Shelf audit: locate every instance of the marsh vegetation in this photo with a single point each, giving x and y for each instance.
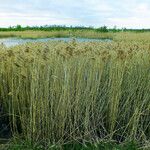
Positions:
(57, 92)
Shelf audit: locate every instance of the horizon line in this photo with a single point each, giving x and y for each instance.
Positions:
(72, 26)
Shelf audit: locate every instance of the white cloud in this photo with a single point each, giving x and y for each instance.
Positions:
(130, 22)
(33, 20)
(130, 14)
(142, 9)
(99, 6)
(125, 13)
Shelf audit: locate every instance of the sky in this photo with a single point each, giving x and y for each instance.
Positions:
(96, 13)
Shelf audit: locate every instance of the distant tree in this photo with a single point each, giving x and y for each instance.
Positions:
(114, 29)
(10, 27)
(27, 27)
(102, 29)
(124, 29)
(18, 27)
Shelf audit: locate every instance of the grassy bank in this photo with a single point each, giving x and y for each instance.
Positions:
(61, 33)
(118, 37)
(58, 92)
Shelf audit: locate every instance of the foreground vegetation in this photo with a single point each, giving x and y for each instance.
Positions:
(58, 93)
(103, 145)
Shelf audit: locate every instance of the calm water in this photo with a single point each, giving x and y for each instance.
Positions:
(16, 41)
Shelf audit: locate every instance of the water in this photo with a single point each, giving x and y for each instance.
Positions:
(16, 41)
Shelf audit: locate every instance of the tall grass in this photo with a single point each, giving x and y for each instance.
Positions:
(61, 33)
(59, 92)
(131, 36)
(118, 37)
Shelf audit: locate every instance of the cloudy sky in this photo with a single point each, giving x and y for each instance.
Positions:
(122, 13)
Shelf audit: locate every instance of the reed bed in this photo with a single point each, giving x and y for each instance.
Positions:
(118, 36)
(61, 33)
(59, 92)
(132, 36)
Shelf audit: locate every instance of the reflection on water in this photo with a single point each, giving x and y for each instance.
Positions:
(16, 41)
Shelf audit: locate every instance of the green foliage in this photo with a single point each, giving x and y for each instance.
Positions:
(102, 29)
(69, 28)
(18, 27)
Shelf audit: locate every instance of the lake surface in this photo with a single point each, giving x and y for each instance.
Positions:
(16, 41)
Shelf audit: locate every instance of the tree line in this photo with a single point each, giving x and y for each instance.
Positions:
(73, 28)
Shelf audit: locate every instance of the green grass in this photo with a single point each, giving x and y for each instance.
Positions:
(61, 33)
(118, 37)
(55, 93)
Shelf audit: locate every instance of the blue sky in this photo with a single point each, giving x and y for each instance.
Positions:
(122, 13)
